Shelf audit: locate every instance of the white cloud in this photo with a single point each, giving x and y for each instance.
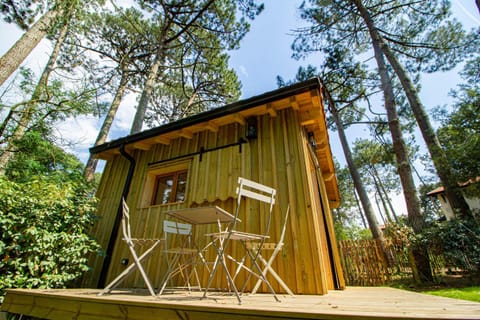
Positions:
(243, 71)
(77, 135)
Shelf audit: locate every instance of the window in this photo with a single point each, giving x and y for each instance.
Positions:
(170, 188)
(166, 183)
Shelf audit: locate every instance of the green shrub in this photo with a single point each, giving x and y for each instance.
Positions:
(458, 241)
(43, 233)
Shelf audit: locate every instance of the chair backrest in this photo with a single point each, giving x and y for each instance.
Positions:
(180, 234)
(254, 190)
(177, 227)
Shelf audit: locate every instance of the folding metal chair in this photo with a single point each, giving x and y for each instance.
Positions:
(254, 191)
(267, 265)
(137, 260)
(181, 254)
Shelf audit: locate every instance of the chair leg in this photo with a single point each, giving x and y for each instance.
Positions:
(221, 260)
(240, 265)
(197, 277)
(268, 268)
(171, 271)
(192, 274)
(212, 273)
(136, 264)
(142, 271)
(180, 267)
(260, 272)
(113, 284)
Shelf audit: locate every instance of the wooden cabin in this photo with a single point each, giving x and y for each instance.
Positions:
(467, 189)
(278, 139)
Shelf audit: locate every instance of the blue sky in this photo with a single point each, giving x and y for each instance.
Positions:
(265, 50)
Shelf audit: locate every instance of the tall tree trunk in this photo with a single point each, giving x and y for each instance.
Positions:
(146, 93)
(385, 193)
(379, 208)
(381, 195)
(159, 57)
(360, 211)
(415, 217)
(12, 59)
(27, 113)
(439, 158)
(9, 117)
(357, 181)
(91, 165)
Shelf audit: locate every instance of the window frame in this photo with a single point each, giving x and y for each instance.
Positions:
(174, 189)
(150, 186)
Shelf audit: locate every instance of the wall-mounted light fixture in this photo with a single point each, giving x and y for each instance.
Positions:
(251, 129)
(311, 140)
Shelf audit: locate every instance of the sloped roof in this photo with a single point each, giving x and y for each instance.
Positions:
(441, 189)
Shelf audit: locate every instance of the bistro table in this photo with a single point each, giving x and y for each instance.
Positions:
(204, 215)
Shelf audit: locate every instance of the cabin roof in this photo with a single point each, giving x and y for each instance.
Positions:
(304, 96)
(441, 189)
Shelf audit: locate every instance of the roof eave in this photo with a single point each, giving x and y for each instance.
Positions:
(211, 114)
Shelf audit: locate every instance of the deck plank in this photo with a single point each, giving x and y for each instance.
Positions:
(352, 303)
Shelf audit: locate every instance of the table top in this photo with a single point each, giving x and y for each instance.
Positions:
(203, 215)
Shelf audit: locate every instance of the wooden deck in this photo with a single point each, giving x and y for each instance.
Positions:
(353, 303)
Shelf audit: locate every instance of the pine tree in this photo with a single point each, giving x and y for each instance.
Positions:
(181, 24)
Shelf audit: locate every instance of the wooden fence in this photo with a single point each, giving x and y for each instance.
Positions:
(364, 263)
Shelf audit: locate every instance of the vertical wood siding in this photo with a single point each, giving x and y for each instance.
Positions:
(278, 158)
